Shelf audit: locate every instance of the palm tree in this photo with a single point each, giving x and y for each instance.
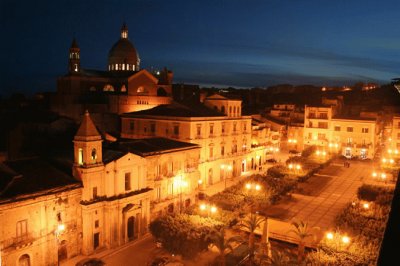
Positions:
(217, 239)
(302, 232)
(251, 224)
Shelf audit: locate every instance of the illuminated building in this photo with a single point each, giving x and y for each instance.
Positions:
(123, 87)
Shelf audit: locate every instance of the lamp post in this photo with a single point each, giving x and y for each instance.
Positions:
(58, 232)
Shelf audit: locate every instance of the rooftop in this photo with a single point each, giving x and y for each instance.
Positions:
(144, 147)
(24, 177)
(177, 110)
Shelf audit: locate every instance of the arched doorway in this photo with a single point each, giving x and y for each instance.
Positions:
(210, 176)
(130, 226)
(24, 260)
(62, 251)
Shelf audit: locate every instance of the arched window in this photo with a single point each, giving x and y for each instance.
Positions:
(94, 154)
(230, 110)
(24, 260)
(108, 87)
(116, 66)
(123, 66)
(223, 109)
(123, 88)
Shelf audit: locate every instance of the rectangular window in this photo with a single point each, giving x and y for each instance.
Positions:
(223, 129)
(198, 130)
(349, 129)
(22, 228)
(96, 224)
(95, 192)
(349, 140)
(364, 130)
(222, 150)
(321, 136)
(322, 124)
(127, 181)
(211, 129)
(337, 128)
(211, 152)
(176, 130)
(311, 115)
(323, 115)
(153, 128)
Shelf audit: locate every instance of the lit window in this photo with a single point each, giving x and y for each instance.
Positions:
(116, 66)
(123, 66)
(80, 156)
(349, 129)
(127, 67)
(365, 130)
(76, 68)
(337, 128)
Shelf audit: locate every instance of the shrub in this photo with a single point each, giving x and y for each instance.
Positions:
(183, 234)
(307, 152)
(382, 195)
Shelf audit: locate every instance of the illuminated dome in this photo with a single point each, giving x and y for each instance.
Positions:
(123, 55)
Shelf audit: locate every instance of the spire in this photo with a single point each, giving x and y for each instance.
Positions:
(74, 44)
(124, 31)
(87, 130)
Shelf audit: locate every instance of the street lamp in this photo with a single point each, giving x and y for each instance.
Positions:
(210, 209)
(60, 229)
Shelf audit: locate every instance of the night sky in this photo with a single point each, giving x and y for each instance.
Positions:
(217, 42)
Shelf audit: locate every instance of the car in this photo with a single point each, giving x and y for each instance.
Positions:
(91, 262)
(272, 160)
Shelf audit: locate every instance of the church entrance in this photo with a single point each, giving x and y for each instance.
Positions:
(131, 228)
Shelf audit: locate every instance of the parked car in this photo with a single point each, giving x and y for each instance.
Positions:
(91, 262)
(272, 160)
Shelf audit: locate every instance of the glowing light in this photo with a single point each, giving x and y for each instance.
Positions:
(345, 239)
(298, 167)
(200, 181)
(366, 205)
(258, 187)
(213, 209)
(374, 174)
(336, 145)
(290, 166)
(248, 186)
(389, 151)
(391, 161)
(317, 152)
(384, 160)
(230, 168)
(60, 228)
(323, 153)
(203, 207)
(329, 235)
(383, 175)
(276, 149)
(222, 166)
(257, 157)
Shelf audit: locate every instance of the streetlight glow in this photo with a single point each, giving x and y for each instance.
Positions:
(329, 235)
(258, 187)
(345, 239)
(60, 228)
(213, 209)
(203, 207)
(366, 205)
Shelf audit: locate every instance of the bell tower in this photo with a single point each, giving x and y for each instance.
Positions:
(87, 144)
(74, 64)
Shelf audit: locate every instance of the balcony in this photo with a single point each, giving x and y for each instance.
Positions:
(20, 241)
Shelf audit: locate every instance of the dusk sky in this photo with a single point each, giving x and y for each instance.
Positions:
(219, 42)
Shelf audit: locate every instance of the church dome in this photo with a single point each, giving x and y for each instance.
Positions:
(123, 55)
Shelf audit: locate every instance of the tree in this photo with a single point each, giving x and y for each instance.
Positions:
(217, 239)
(250, 224)
(302, 232)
